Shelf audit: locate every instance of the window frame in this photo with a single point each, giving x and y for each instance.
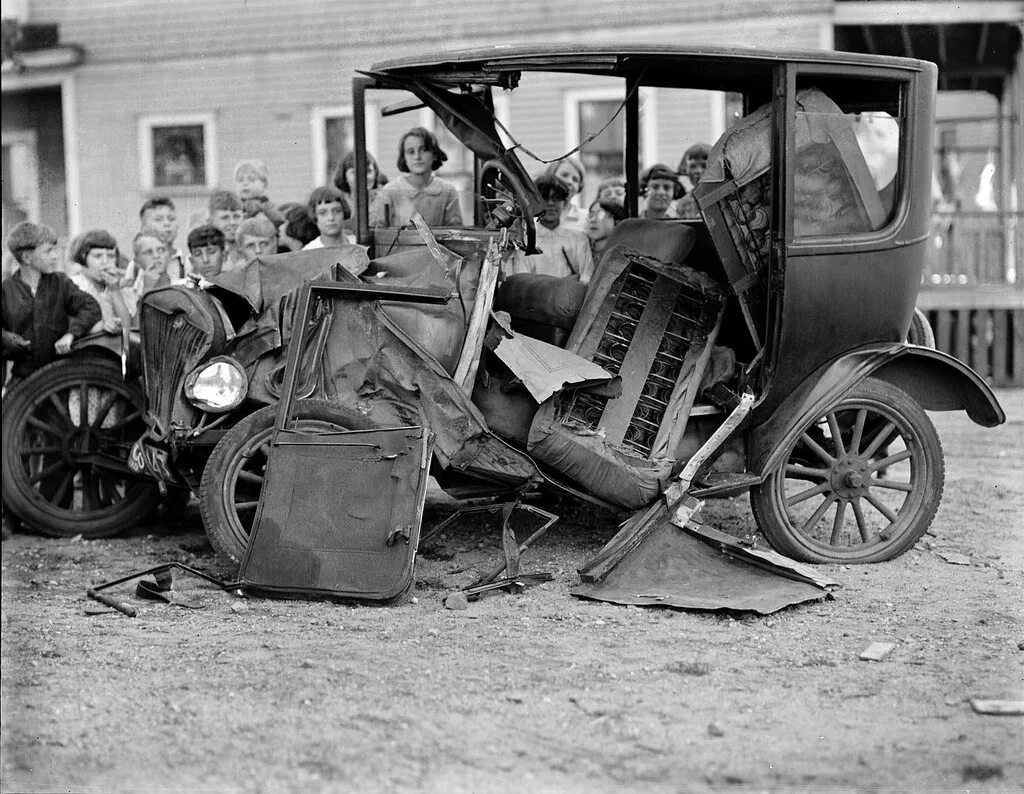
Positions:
(877, 239)
(572, 97)
(318, 134)
(147, 161)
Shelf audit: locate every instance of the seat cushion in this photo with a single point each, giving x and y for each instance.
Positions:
(541, 300)
(664, 240)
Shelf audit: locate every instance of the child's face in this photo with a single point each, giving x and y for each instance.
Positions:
(554, 206)
(350, 176)
(570, 176)
(613, 193)
(417, 156)
(42, 258)
(151, 254)
(660, 193)
(599, 223)
(252, 245)
(250, 186)
(207, 260)
(101, 266)
(330, 219)
(227, 221)
(162, 222)
(695, 165)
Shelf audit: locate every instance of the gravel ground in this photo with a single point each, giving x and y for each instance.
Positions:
(537, 689)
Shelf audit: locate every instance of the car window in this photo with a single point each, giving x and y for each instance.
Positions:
(846, 157)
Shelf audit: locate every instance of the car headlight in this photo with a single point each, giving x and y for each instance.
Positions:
(217, 386)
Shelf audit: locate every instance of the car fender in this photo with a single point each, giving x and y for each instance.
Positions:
(123, 346)
(938, 381)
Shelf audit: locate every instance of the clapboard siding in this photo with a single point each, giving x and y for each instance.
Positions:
(131, 30)
(262, 68)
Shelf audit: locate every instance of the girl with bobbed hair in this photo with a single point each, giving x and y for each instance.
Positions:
(416, 189)
(345, 179)
(97, 274)
(571, 172)
(85, 242)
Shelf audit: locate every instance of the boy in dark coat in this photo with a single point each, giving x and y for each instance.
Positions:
(43, 311)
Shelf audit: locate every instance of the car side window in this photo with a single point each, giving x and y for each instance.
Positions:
(846, 156)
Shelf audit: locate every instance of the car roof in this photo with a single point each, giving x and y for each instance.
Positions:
(622, 59)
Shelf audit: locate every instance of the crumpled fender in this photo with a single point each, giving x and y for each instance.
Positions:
(935, 379)
(123, 347)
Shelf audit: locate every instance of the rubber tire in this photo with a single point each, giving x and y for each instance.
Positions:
(921, 332)
(227, 533)
(913, 519)
(24, 500)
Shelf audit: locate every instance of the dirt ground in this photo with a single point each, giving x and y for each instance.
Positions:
(538, 689)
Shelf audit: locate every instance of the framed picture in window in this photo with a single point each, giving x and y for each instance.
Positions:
(177, 153)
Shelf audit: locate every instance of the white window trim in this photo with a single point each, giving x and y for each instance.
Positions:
(317, 121)
(69, 114)
(648, 123)
(146, 125)
(503, 112)
(717, 115)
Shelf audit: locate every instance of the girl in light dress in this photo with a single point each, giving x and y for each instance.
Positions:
(416, 189)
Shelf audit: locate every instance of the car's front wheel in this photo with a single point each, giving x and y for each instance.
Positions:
(233, 478)
(67, 433)
(860, 484)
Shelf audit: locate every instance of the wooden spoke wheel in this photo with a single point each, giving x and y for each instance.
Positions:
(860, 484)
(233, 478)
(67, 433)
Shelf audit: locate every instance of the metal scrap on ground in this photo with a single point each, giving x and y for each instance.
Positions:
(877, 651)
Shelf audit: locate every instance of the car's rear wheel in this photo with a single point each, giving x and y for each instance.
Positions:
(233, 478)
(920, 332)
(67, 433)
(860, 484)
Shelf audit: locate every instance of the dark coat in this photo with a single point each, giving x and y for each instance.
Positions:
(57, 308)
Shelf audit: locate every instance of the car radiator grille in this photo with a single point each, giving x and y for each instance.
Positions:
(171, 348)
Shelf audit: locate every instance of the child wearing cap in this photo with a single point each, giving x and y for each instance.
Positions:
(43, 311)
(564, 252)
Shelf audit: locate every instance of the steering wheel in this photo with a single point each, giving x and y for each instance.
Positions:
(507, 204)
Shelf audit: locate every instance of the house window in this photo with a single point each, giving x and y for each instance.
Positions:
(587, 112)
(334, 136)
(177, 152)
(603, 155)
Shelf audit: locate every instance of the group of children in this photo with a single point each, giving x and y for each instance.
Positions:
(572, 242)
(44, 309)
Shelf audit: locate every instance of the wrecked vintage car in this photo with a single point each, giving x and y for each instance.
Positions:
(759, 348)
